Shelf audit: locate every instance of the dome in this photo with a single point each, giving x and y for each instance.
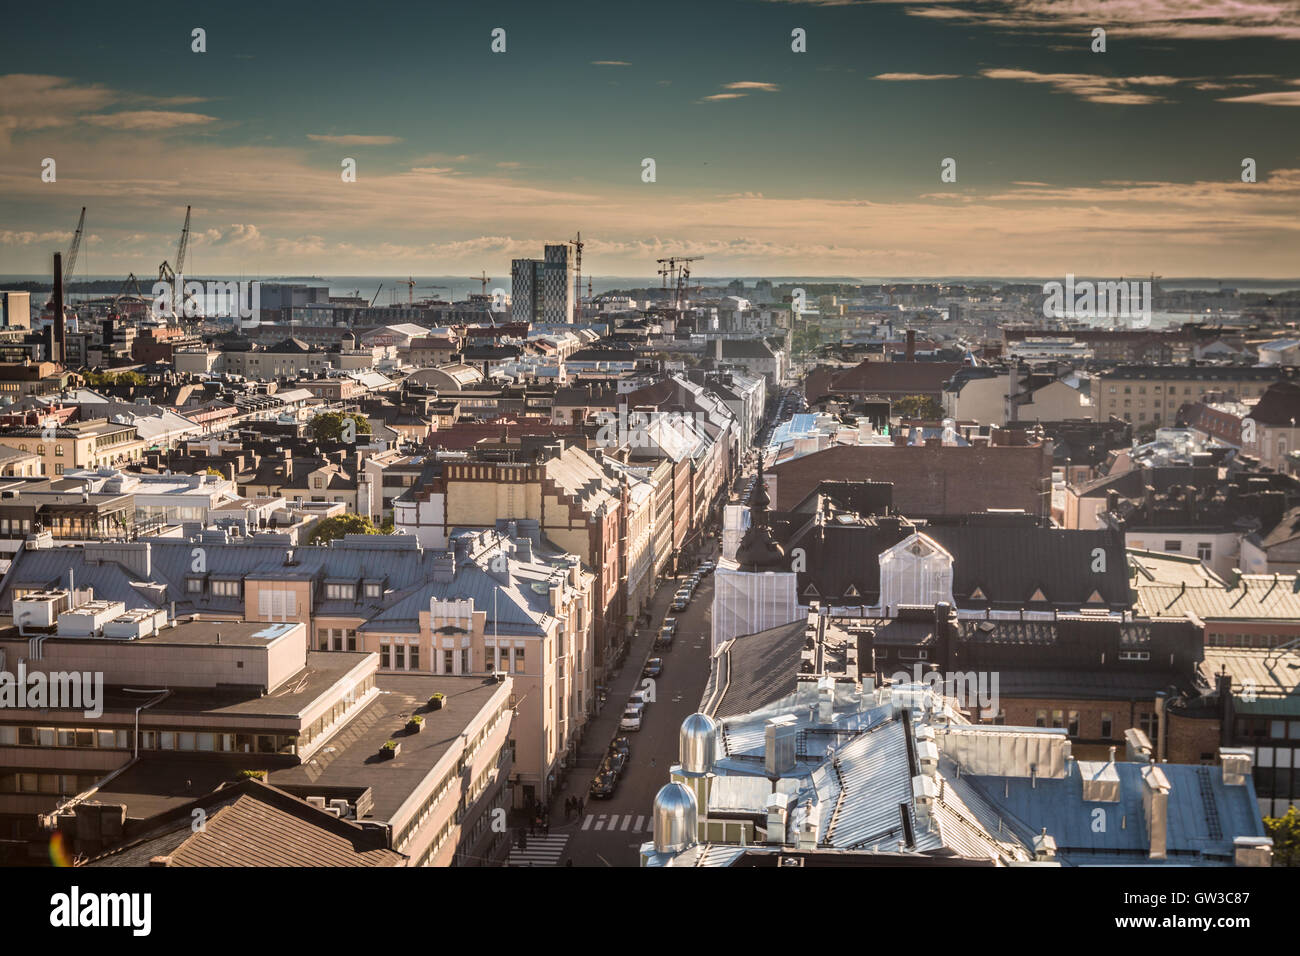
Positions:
(697, 744)
(674, 818)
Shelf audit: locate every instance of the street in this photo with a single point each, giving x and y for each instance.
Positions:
(610, 832)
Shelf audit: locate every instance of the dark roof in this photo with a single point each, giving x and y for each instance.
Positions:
(251, 824)
(755, 670)
(1279, 405)
(1207, 373)
(1005, 564)
(352, 755)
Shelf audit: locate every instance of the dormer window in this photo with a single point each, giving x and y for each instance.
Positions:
(227, 589)
(341, 592)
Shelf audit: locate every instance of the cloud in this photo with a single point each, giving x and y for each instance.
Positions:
(752, 85)
(722, 96)
(610, 63)
(1116, 90)
(152, 120)
(353, 139)
(905, 77)
(1157, 19)
(1278, 98)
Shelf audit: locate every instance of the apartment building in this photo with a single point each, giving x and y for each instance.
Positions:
(67, 447)
(498, 601)
(1152, 394)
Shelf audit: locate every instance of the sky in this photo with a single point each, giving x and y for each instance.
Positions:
(767, 161)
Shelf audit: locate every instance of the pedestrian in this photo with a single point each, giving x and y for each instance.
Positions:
(523, 840)
(546, 826)
(582, 805)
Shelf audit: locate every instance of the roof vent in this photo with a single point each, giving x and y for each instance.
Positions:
(697, 744)
(675, 815)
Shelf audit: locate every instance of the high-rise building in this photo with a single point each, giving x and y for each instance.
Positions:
(541, 290)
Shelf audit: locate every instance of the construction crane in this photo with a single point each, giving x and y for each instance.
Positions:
(167, 274)
(73, 248)
(482, 277)
(678, 269)
(577, 276)
(376, 296)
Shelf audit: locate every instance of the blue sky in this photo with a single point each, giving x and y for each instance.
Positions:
(767, 161)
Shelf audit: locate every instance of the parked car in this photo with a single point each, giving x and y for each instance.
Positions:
(603, 787)
(639, 696)
(653, 667)
(621, 745)
(680, 602)
(631, 719)
(671, 624)
(614, 763)
(665, 639)
(707, 567)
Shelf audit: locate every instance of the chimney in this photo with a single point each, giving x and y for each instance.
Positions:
(778, 754)
(1155, 807)
(57, 353)
(910, 354)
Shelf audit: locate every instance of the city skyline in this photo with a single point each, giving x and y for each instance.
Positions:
(767, 161)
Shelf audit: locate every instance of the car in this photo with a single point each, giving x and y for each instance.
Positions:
(603, 787)
(653, 667)
(631, 719)
(614, 762)
(707, 567)
(640, 696)
(671, 624)
(665, 639)
(680, 603)
(621, 745)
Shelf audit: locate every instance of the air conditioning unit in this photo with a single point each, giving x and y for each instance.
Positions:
(317, 802)
(343, 808)
(333, 811)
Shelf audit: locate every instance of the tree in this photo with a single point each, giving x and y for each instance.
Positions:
(918, 406)
(329, 426)
(332, 528)
(1285, 831)
(113, 378)
(213, 472)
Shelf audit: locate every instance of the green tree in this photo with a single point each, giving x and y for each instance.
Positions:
(113, 378)
(918, 406)
(329, 529)
(1285, 831)
(329, 425)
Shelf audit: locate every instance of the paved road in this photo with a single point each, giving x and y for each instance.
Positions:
(610, 832)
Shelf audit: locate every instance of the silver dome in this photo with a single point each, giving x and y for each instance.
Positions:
(675, 818)
(697, 744)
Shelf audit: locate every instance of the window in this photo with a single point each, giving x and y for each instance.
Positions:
(58, 451)
(341, 592)
(1107, 725)
(384, 652)
(225, 588)
(414, 653)
(373, 590)
(399, 656)
(1173, 545)
(464, 660)
(448, 664)
(1058, 718)
(519, 660)
(1204, 550)
(1147, 724)
(1041, 719)
(1073, 726)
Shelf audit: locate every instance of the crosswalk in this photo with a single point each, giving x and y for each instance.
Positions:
(629, 822)
(541, 851)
